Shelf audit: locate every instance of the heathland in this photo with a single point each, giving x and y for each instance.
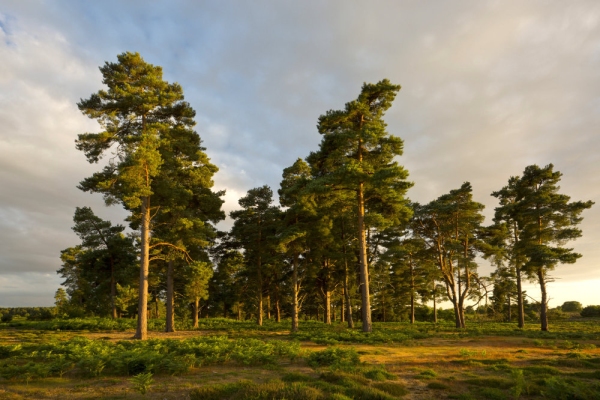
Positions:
(227, 359)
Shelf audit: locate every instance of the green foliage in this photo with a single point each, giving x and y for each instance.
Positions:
(142, 382)
(591, 311)
(334, 357)
(519, 383)
(571, 306)
(557, 388)
(378, 374)
(427, 374)
(94, 358)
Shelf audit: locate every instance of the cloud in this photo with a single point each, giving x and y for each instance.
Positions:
(487, 89)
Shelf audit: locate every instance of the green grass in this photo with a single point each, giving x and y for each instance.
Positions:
(239, 360)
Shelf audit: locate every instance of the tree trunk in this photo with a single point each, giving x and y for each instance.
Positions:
(457, 315)
(412, 308)
(509, 310)
(520, 305)
(544, 304)
(343, 309)
(348, 310)
(259, 319)
(142, 321)
(269, 306)
(113, 288)
(327, 312)
(277, 311)
(364, 267)
(295, 294)
(412, 290)
(195, 313)
(170, 323)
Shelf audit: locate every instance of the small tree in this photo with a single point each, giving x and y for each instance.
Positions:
(61, 302)
(198, 275)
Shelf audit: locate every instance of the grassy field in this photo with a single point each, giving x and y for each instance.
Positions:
(225, 359)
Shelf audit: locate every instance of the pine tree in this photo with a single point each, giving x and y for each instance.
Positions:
(254, 230)
(547, 221)
(506, 235)
(450, 226)
(357, 155)
(148, 126)
(298, 218)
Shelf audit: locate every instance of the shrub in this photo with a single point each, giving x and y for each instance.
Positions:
(142, 382)
(427, 374)
(571, 306)
(334, 357)
(378, 374)
(591, 311)
(566, 389)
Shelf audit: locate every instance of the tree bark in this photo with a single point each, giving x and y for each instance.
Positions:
(170, 323)
(347, 302)
(544, 304)
(327, 312)
(295, 294)
(364, 268)
(142, 321)
(362, 241)
(412, 290)
(113, 288)
(520, 305)
(195, 312)
(412, 308)
(343, 308)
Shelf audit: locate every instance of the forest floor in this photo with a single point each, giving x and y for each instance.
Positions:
(442, 364)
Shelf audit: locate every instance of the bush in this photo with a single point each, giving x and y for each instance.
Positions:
(591, 311)
(571, 306)
(334, 357)
(566, 389)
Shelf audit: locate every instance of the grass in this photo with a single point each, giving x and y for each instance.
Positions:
(228, 359)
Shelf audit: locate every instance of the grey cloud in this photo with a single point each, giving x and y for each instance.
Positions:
(488, 88)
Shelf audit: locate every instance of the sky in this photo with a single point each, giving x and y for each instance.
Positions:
(488, 88)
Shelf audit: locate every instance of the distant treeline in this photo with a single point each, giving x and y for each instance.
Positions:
(31, 313)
